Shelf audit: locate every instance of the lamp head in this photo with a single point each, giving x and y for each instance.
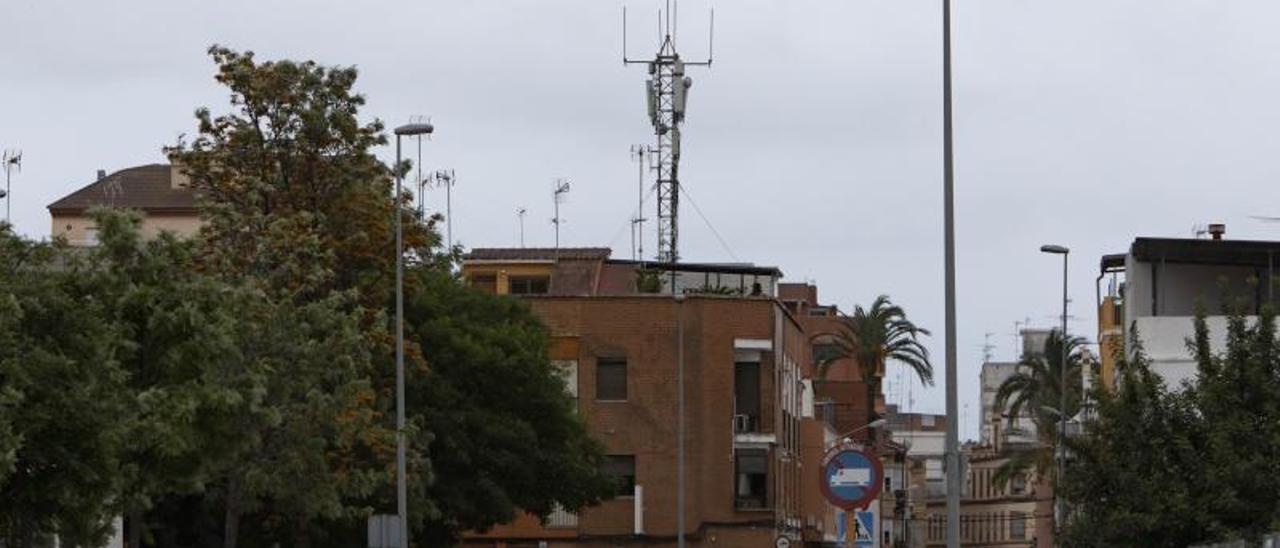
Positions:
(415, 129)
(1055, 249)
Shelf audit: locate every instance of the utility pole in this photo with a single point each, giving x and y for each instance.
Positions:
(948, 199)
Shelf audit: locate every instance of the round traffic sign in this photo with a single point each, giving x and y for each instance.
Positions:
(851, 478)
(782, 542)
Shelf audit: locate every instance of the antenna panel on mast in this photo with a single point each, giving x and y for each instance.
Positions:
(666, 102)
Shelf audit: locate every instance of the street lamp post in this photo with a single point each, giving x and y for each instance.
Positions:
(952, 452)
(679, 298)
(402, 498)
(1058, 512)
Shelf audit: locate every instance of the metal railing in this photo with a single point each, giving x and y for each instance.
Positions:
(561, 518)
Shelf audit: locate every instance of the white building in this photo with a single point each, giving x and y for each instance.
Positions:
(993, 375)
(1161, 282)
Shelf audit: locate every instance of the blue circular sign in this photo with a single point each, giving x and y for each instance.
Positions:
(851, 478)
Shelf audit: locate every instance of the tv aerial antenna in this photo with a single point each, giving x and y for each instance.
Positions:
(640, 154)
(561, 188)
(520, 213)
(667, 93)
(445, 178)
(12, 162)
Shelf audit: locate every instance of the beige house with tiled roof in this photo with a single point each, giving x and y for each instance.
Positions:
(160, 192)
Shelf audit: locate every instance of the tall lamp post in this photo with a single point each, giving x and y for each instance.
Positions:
(1058, 513)
(402, 498)
(679, 298)
(952, 452)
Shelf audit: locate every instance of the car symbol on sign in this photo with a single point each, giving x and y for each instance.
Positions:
(851, 477)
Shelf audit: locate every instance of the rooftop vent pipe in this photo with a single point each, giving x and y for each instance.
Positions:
(1216, 230)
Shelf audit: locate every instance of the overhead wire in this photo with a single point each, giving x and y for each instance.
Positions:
(706, 221)
(635, 213)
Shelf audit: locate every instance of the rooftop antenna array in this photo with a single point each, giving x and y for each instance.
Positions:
(666, 93)
(640, 154)
(1018, 326)
(112, 189)
(561, 188)
(422, 181)
(520, 213)
(445, 178)
(12, 162)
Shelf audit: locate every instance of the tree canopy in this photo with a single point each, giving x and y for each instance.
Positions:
(1161, 467)
(236, 388)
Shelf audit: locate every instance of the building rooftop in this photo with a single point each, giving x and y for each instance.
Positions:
(148, 188)
(500, 254)
(538, 254)
(1218, 252)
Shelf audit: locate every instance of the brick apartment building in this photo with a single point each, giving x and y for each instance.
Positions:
(752, 440)
(758, 419)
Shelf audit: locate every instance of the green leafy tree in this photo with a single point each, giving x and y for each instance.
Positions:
(63, 402)
(297, 205)
(875, 336)
(1136, 476)
(1237, 395)
(1161, 468)
(506, 434)
(1035, 389)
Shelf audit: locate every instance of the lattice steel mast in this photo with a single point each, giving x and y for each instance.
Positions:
(666, 92)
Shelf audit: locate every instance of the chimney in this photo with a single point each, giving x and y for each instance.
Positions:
(1216, 230)
(102, 174)
(178, 177)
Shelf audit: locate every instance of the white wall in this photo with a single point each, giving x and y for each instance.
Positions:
(1164, 340)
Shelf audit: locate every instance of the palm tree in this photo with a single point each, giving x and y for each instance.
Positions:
(1034, 390)
(875, 336)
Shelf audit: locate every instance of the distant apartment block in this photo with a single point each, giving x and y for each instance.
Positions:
(1015, 515)
(995, 422)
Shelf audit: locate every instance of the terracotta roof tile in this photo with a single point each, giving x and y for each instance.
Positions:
(147, 188)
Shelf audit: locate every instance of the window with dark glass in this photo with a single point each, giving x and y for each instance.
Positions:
(529, 285)
(751, 488)
(746, 396)
(611, 379)
(622, 470)
(1017, 525)
(825, 351)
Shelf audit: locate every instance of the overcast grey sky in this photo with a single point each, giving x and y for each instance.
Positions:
(813, 143)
